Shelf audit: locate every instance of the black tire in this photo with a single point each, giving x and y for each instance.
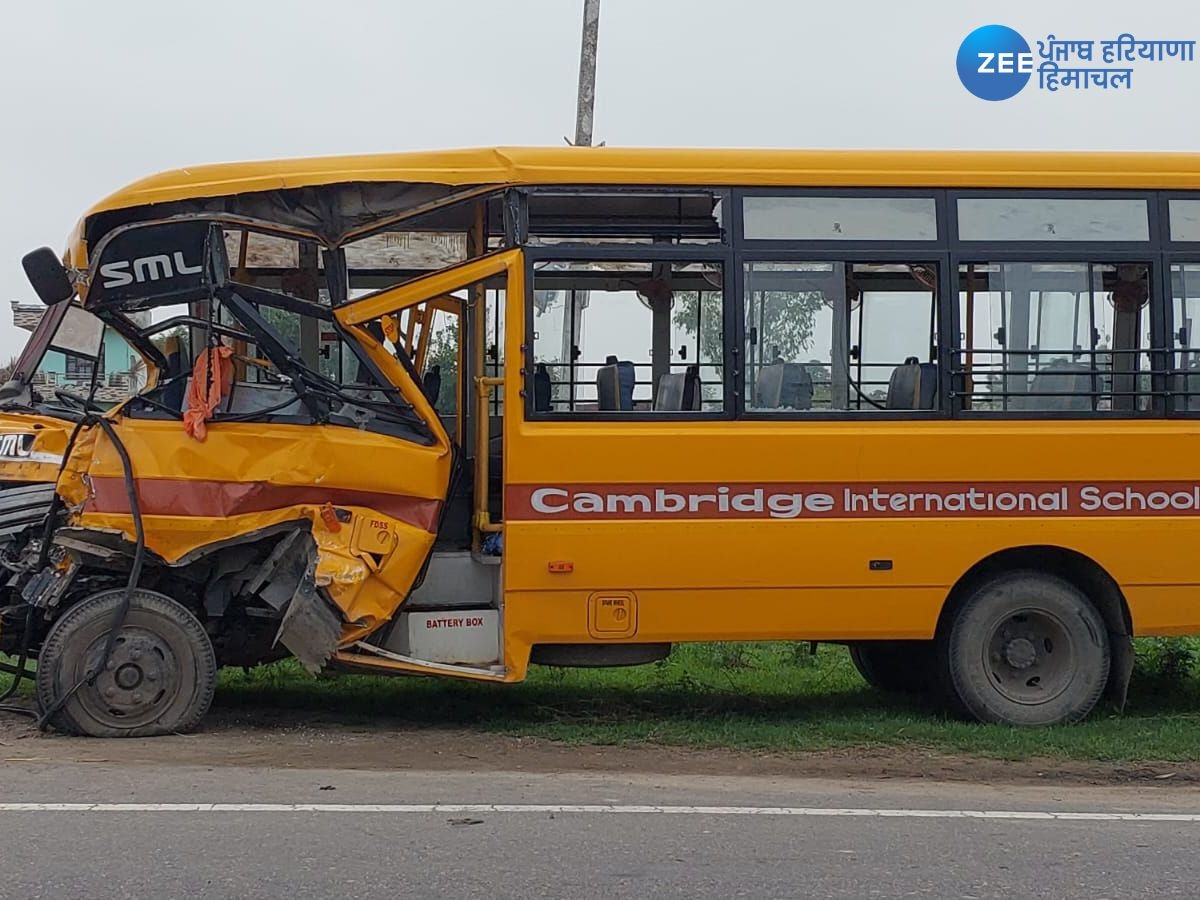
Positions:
(159, 680)
(1027, 649)
(898, 667)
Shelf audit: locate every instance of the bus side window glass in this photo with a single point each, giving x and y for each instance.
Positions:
(1055, 337)
(833, 336)
(627, 337)
(1185, 297)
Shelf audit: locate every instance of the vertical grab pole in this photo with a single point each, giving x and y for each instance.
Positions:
(474, 319)
(483, 517)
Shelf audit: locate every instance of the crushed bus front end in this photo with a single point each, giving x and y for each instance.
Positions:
(248, 504)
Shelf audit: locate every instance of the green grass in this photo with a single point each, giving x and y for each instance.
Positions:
(750, 696)
(771, 697)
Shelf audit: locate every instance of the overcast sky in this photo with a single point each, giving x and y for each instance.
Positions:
(96, 94)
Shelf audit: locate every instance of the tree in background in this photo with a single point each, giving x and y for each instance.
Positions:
(785, 321)
(443, 352)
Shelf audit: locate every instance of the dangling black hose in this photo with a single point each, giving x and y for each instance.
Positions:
(135, 573)
(135, 570)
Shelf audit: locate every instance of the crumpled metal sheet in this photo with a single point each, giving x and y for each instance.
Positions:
(310, 628)
(369, 501)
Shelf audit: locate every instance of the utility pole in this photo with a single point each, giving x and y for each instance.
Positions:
(587, 73)
(577, 301)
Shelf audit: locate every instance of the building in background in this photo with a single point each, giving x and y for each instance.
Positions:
(120, 367)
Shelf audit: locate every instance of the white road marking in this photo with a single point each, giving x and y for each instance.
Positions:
(599, 808)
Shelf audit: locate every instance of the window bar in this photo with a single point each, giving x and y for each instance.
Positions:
(1094, 335)
(969, 340)
(858, 361)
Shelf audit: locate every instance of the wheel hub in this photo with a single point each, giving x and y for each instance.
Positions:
(1020, 653)
(138, 678)
(128, 676)
(1030, 656)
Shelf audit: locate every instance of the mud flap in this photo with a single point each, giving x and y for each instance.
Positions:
(1120, 670)
(310, 627)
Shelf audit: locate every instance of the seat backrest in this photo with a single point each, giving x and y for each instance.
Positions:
(541, 388)
(1060, 386)
(913, 386)
(174, 393)
(614, 385)
(431, 385)
(784, 386)
(679, 391)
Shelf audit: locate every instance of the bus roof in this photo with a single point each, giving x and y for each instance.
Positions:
(613, 165)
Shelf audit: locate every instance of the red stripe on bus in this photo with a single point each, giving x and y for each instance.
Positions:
(859, 500)
(218, 499)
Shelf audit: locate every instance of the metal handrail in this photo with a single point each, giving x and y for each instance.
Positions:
(483, 390)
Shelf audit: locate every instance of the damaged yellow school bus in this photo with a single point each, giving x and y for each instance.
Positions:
(454, 413)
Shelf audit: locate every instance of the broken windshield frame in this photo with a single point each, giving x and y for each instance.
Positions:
(64, 328)
(324, 399)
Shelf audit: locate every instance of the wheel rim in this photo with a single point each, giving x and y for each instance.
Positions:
(1030, 657)
(139, 682)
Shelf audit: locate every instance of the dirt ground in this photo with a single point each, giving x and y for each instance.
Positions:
(270, 739)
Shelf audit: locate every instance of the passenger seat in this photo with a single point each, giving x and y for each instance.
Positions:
(1060, 386)
(783, 386)
(431, 385)
(614, 385)
(679, 391)
(913, 386)
(541, 388)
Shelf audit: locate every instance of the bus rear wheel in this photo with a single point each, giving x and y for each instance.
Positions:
(898, 667)
(159, 679)
(1026, 648)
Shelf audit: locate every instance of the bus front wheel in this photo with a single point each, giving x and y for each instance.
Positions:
(1025, 648)
(159, 678)
(898, 667)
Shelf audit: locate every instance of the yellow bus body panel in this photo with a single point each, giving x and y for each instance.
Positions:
(44, 453)
(247, 477)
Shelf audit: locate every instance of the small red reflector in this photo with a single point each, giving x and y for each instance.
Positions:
(330, 517)
(561, 567)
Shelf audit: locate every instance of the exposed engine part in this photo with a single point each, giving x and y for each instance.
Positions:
(24, 507)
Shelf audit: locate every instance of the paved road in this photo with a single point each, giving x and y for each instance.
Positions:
(313, 833)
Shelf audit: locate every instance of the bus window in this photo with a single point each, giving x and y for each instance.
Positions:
(833, 336)
(812, 218)
(1185, 294)
(628, 336)
(1184, 220)
(1052, 337)
(1053, 219)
